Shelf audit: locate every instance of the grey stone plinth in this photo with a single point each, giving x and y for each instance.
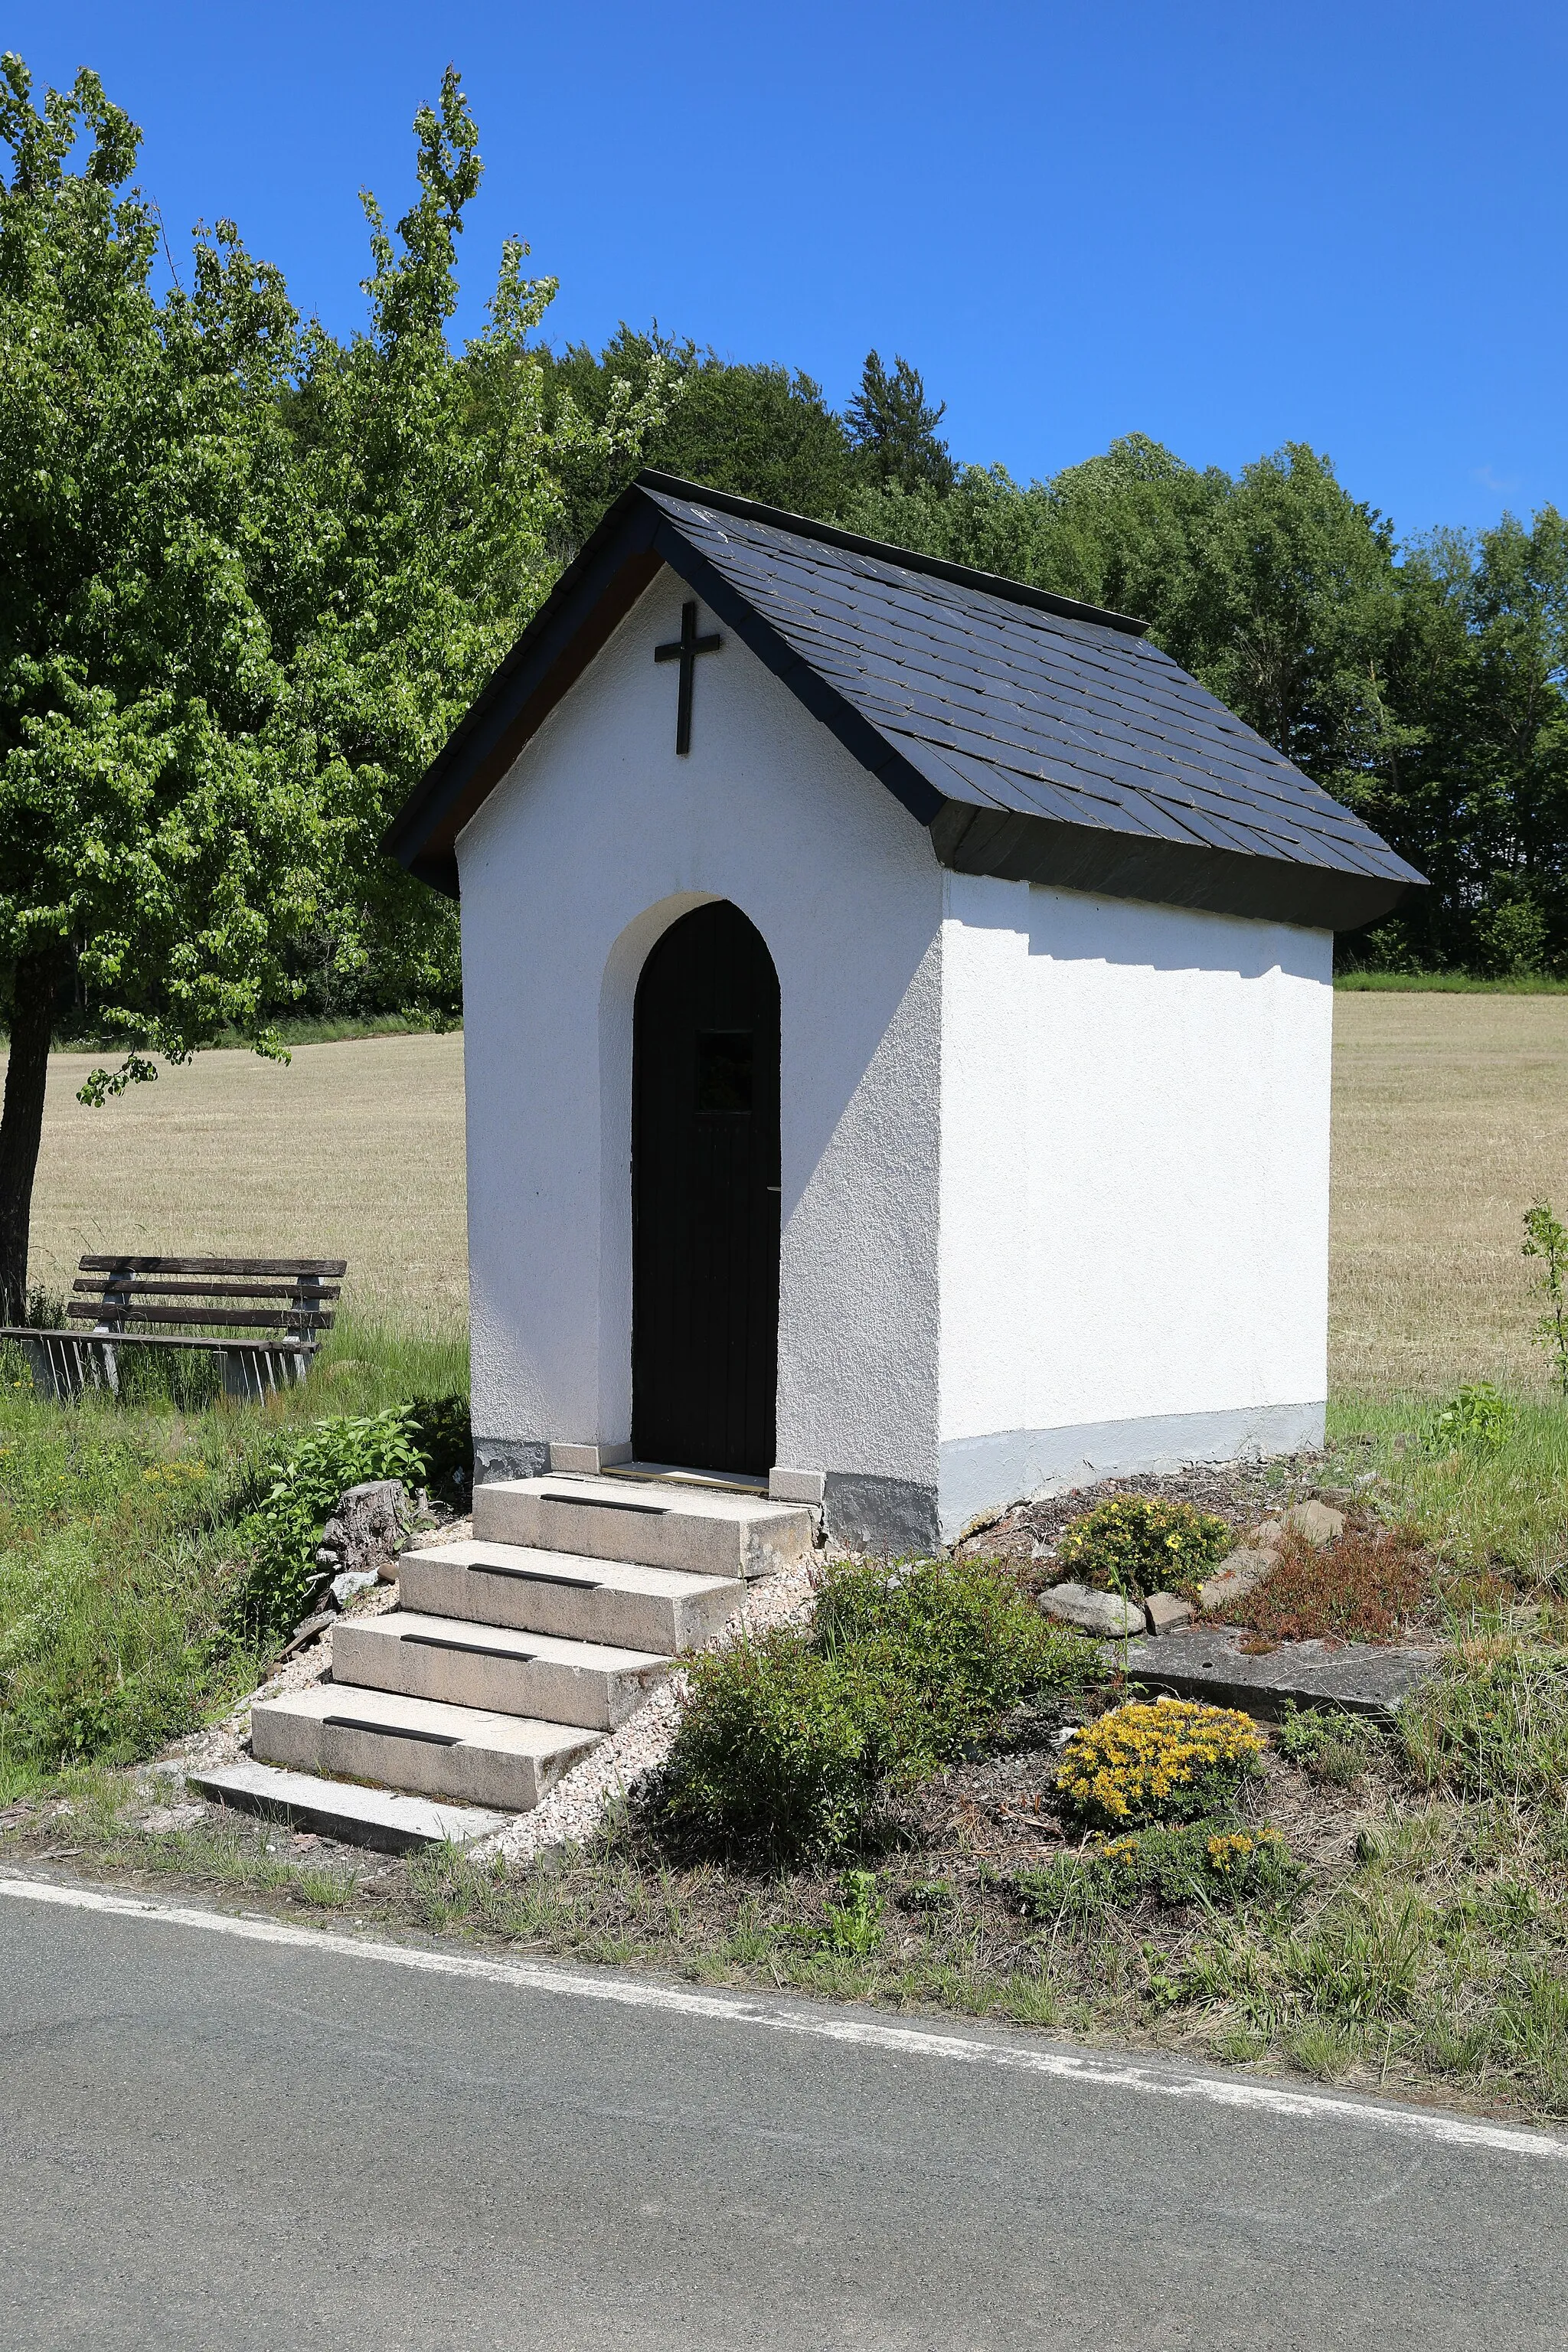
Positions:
(1207, 1662)
(655, 1523)
(1166, 1612)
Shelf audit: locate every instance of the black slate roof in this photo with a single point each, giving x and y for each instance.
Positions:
(1038, 737)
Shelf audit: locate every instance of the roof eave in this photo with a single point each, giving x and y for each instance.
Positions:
(1104, 864)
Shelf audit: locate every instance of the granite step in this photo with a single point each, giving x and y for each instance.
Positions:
(568, 1595)
(461, 1663)
(470, 1754)
(655, 1523)
(342, 1809)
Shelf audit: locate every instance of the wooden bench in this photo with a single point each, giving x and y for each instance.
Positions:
(282, 1305)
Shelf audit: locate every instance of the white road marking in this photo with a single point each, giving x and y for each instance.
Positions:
(736, 2008)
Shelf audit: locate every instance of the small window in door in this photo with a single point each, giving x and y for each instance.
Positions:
(724, 1072)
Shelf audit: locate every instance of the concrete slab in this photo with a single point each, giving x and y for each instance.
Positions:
(371, 1817)
(471, 1755)
(656, 1523)
(1207, 1662)
(453, 1660)
(568, 1595)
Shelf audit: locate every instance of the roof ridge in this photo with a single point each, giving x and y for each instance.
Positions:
(908, 559)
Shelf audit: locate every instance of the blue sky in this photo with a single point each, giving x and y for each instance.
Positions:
(1224, 225)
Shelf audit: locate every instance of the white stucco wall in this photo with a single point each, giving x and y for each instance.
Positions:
(1055, 1168)
(1134, 1188)
(599, 838)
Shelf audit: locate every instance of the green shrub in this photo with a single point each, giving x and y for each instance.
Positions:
(1208, 1862)
(950, 1645)
(285, 1526)
(781, 1751)
(1139, 1544)
(788, 1745)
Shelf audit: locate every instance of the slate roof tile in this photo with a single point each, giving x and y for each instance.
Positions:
(1036, 712)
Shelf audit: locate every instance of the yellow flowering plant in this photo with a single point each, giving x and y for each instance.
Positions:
(1170, 1761)
(1138, 1544)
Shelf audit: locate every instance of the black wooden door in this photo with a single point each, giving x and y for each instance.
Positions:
(705, 1196)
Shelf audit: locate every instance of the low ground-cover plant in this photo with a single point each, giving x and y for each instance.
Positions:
(1362, 1587)
(1139, 1544)
(788, 1745)
(1210, 1862)
(1336, 1748)
(1142, 1763)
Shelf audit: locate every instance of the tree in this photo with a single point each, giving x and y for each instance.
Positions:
(249, 578)
(157, 844)
(893, 430)
(755, 430)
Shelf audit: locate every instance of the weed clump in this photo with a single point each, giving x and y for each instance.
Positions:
(1175, 1760)
(1334, 1747)
(1477, 1419)
(1361, 1588)
(787, 1745)
(1139, 1544)
(1492, 1723)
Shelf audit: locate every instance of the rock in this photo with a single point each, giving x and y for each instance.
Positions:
(1166, 1610)
(1105, 1613)
(303, 1635)
(1234, 1578)
(1268, 1536)
(352, 1580)
(368, 1530)
(1316, 1521)
(162, 1818)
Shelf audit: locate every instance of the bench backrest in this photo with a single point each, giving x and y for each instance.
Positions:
(289, 1296)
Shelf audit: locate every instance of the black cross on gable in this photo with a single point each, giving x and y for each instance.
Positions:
(685, 650)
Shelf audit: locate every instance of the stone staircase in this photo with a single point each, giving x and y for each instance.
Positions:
(511, 1654)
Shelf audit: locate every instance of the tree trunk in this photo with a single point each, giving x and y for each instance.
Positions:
(22, 1121)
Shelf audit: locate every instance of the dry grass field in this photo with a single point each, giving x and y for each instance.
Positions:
(352, 1151)
(1450, 1114)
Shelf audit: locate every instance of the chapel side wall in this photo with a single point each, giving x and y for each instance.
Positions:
(1135, 1190)
(601, 836)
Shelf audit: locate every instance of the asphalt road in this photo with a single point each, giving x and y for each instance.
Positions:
(215, 2143)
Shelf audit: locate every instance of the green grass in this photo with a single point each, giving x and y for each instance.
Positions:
(1451, 984)
(1503, 1511)
(120, 1563)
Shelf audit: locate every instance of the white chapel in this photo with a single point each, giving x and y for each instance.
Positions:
(898, 1010)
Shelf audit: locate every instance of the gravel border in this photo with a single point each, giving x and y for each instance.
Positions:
(572, 1810)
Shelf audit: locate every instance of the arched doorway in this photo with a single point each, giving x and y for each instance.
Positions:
(705, 1196)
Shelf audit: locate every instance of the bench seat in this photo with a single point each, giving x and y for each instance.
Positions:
(266, 1318)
